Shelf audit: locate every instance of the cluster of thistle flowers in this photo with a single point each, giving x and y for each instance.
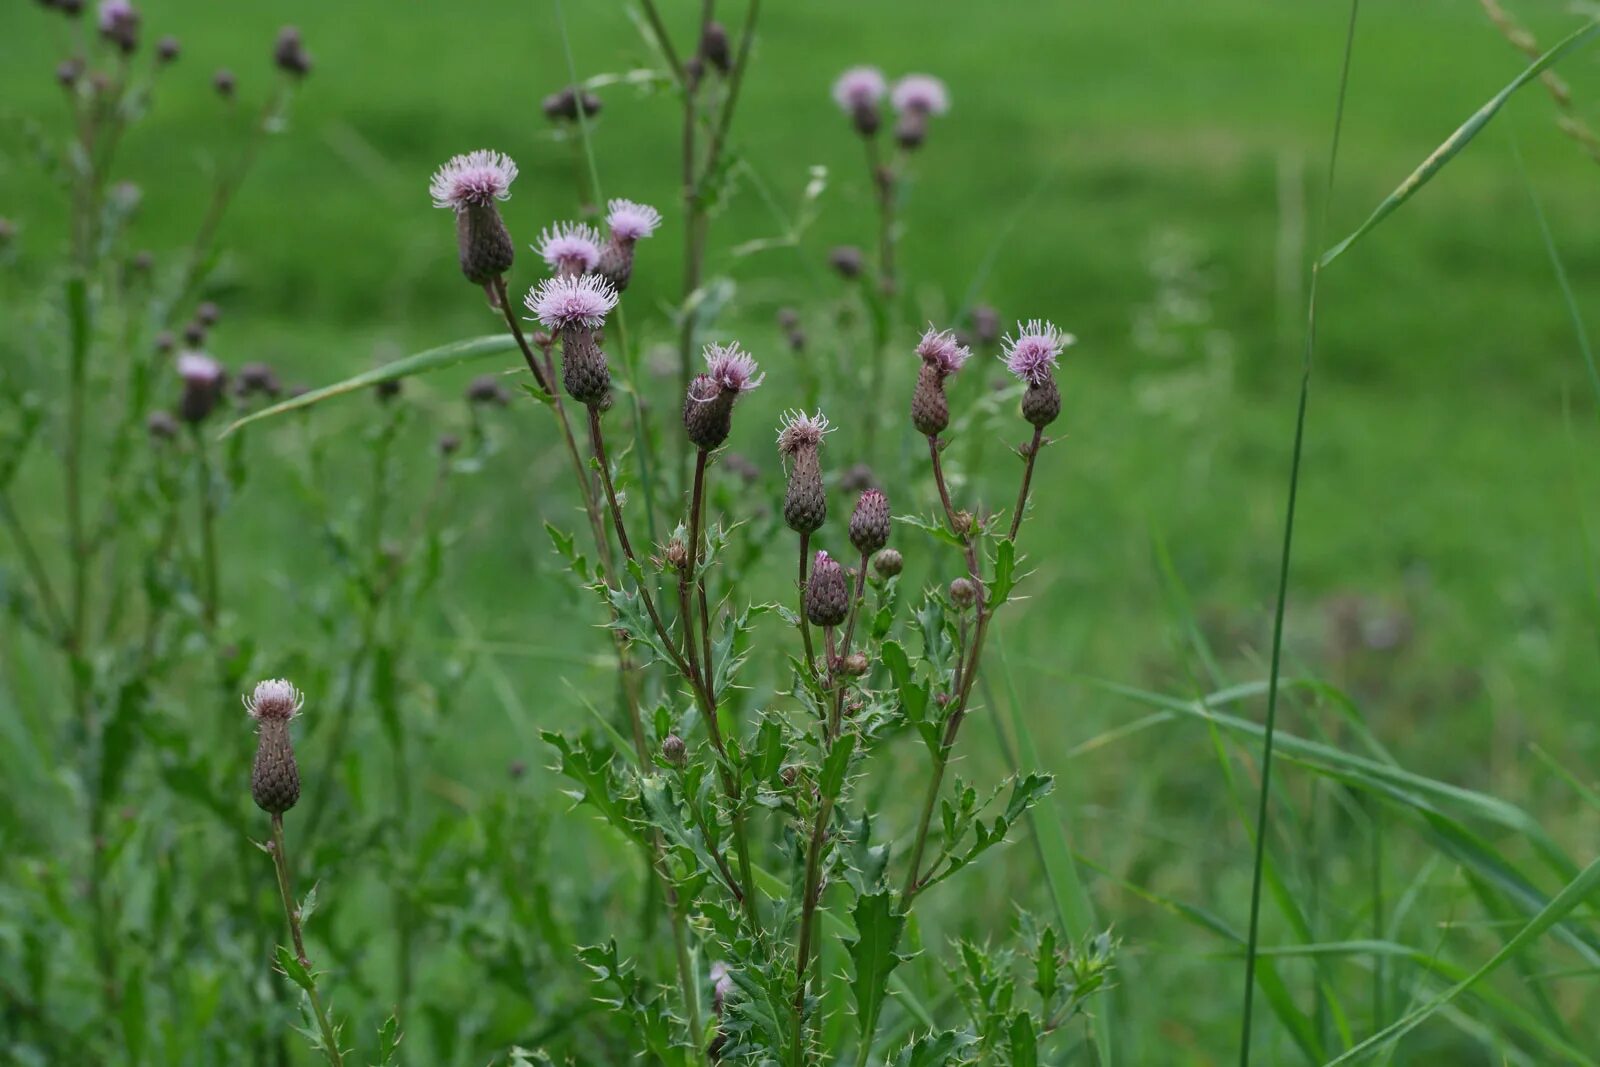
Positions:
(119, 24)
(916, 98)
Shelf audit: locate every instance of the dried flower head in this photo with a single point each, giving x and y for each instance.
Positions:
(570, 247)
(631, 221)
(732, 368)
(274, 700)
(1032, 354)
(921, 94)
(801, 431)
(562, 303)
(859, 87)
(827, 599)
(476, 179)
(941, 350)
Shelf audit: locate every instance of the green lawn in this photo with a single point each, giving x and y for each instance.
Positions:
(1136, 171)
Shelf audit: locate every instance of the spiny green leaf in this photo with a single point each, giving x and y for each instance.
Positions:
(873, 956)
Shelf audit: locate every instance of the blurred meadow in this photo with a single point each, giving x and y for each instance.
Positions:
(1149, 174)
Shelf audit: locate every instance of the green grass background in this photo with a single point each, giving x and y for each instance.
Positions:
(1449, 472)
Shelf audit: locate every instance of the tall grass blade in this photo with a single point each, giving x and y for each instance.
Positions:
(433, 359)
(1253, 936)
(1460, 139)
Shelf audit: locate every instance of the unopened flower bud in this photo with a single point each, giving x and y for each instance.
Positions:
(449, 444)
(487, 390)
(256, 378)
(827, 599)
(789, 775)
(143, 262)
(963, 593)
(805, 503)
(674, 751)
(167, 49)
(289, 53)
(869, 523)
(714, 47)
(847, 261)
(387, 390)
(677, 554)
(274, 777)
(223, 82)
(161, 426)
(207, 314)
(985, 324)
(8, 233)
(165, 342)
(888, 563)
(855, 664)
(194, 333)
(68, 71)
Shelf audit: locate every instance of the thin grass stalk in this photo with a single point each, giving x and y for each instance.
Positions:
(1254, 934)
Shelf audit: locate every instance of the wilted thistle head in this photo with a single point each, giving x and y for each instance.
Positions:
(942, 355)
(274, 777)
(1032, 356)
(203, 379)
(569, 247)
(119, 24)
(805, 503)
(858, 92)
(469, 185)
(827, 599)
(574, 306)
(289, 53)
(708, 404)
(869, 523)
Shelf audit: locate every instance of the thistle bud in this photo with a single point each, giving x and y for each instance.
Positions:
(575, 306)
(805, 503)
(674, 751)
(256, 378)
(194, 333)
(963, 593)
(985, 324)
(448, 445)
(677, 554)
(486, 390)
(68, 71)
(207, 314)
(161, 426)
(289, 53)
(708, 405)
(223, 83)
(942, 355)
(714, 47)
(203, 379)
(846, 261)
(165, 342)
(869, 523)
(387, 390)
(167, 49)
(827, 599)
(855, 664)
(1041, 402)
(274, 777)
(888, 563)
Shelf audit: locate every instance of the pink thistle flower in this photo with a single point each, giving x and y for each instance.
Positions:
(1033, 353)
(476, 179)
(198, 369)
(570, 247)
(940, 350)
(630, 221)
(731, 368)
(922, 94)
(115, 12)
(859, 88)
(572, 300)
(800, 430)
(274, 700)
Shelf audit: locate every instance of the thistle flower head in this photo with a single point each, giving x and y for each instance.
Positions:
(859, 87)
(476, 179)
(827, 599)
(274, 700)
(199, 369)
(1032, 354)
(114, 13)
(289, 53)
(732, 368)
(572, 300)
(630, 221)
(800, 430)
(920, 93)
(570, 247)
(940, 350)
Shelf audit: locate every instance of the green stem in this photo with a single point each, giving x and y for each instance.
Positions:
(206, 501)
(291, 912)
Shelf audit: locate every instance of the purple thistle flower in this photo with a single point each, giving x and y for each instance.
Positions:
(940, 350)
(570, 247)
(731, 368)
(198, 369)
(800, 430)
(113, 13)
(275, 700)
(858, 88)
(630, 221)
(572, 300)
(1032, 354)
(921, 94)
(476, 179)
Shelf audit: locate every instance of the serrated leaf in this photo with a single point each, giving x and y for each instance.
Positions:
(873, 957)
(935, 1050)
(294, 969)
(836, 764)
(1005, 574)
(1024, 1041)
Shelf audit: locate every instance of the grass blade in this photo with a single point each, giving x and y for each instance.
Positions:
(1460, 139)
(433, 359)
